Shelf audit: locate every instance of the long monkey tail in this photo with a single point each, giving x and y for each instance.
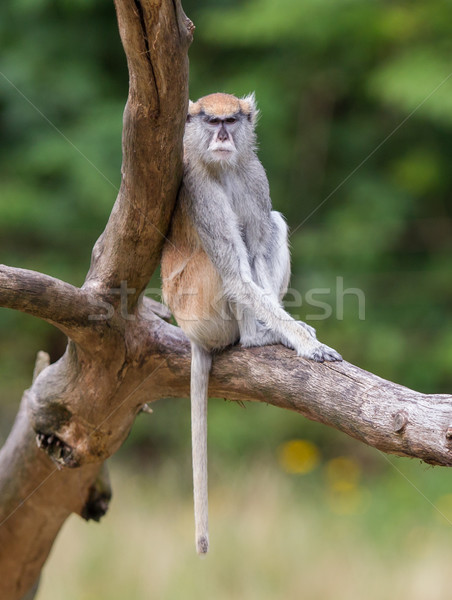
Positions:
(201, 361)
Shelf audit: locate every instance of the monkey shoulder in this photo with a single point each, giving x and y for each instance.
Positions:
(257, 186)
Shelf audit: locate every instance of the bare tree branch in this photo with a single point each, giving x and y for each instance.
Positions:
(375, 411)
(42, 362)
(89, 396)
(53, 300)
(88, 408)
(156, 36)
(35, 500)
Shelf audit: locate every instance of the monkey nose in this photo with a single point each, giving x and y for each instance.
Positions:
(222, 134)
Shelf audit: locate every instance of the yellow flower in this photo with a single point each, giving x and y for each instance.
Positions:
(298, 456)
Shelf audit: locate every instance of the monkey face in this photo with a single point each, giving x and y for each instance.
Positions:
(222, 145)
(220, 129)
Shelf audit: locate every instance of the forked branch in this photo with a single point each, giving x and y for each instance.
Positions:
(93, 393)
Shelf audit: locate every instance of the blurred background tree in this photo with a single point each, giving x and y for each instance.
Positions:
(356, 138)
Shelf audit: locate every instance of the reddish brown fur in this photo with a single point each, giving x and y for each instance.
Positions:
(191, 286)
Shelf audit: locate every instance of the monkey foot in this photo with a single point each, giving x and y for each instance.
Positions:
(325, 353)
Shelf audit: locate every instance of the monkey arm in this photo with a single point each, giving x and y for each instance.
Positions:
(219, 233)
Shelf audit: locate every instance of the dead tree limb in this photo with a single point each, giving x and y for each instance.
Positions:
(121, 353)
(95, 372)
(154, 35)
(53, 300)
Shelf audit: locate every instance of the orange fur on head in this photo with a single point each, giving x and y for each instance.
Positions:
(221, 105)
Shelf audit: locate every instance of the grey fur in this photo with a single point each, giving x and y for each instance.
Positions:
(201, 361)
(226, 195)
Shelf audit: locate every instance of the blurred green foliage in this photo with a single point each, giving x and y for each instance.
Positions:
(356, 137)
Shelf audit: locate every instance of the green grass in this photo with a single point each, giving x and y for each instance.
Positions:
(274, 536)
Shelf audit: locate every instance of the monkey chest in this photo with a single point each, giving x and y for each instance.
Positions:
(251, 221)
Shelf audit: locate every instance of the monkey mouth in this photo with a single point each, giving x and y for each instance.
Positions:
(222, 153)
(224, 148)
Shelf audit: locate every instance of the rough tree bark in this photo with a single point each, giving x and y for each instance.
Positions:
(122, 352)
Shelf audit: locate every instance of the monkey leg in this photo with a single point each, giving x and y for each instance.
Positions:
(195, 296)
(278, 263)
(277, 257)
(272, 273)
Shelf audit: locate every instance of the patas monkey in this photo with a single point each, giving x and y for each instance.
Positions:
(226, 266)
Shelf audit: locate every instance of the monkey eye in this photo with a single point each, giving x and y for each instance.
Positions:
(214, 120)
(231, 120)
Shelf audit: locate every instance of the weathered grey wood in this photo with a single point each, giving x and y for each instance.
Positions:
(33, 591)
(35, 500)
(85, 396)
(152, 33)
(339, 395)
(65, 306)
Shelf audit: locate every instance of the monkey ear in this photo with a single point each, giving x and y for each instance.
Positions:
(249, 107)
(190, 111)
(194, 109)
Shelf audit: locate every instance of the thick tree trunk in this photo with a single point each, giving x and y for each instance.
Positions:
(89, 398)
(121, 351)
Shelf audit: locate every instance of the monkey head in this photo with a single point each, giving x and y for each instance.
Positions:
(220, 129)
